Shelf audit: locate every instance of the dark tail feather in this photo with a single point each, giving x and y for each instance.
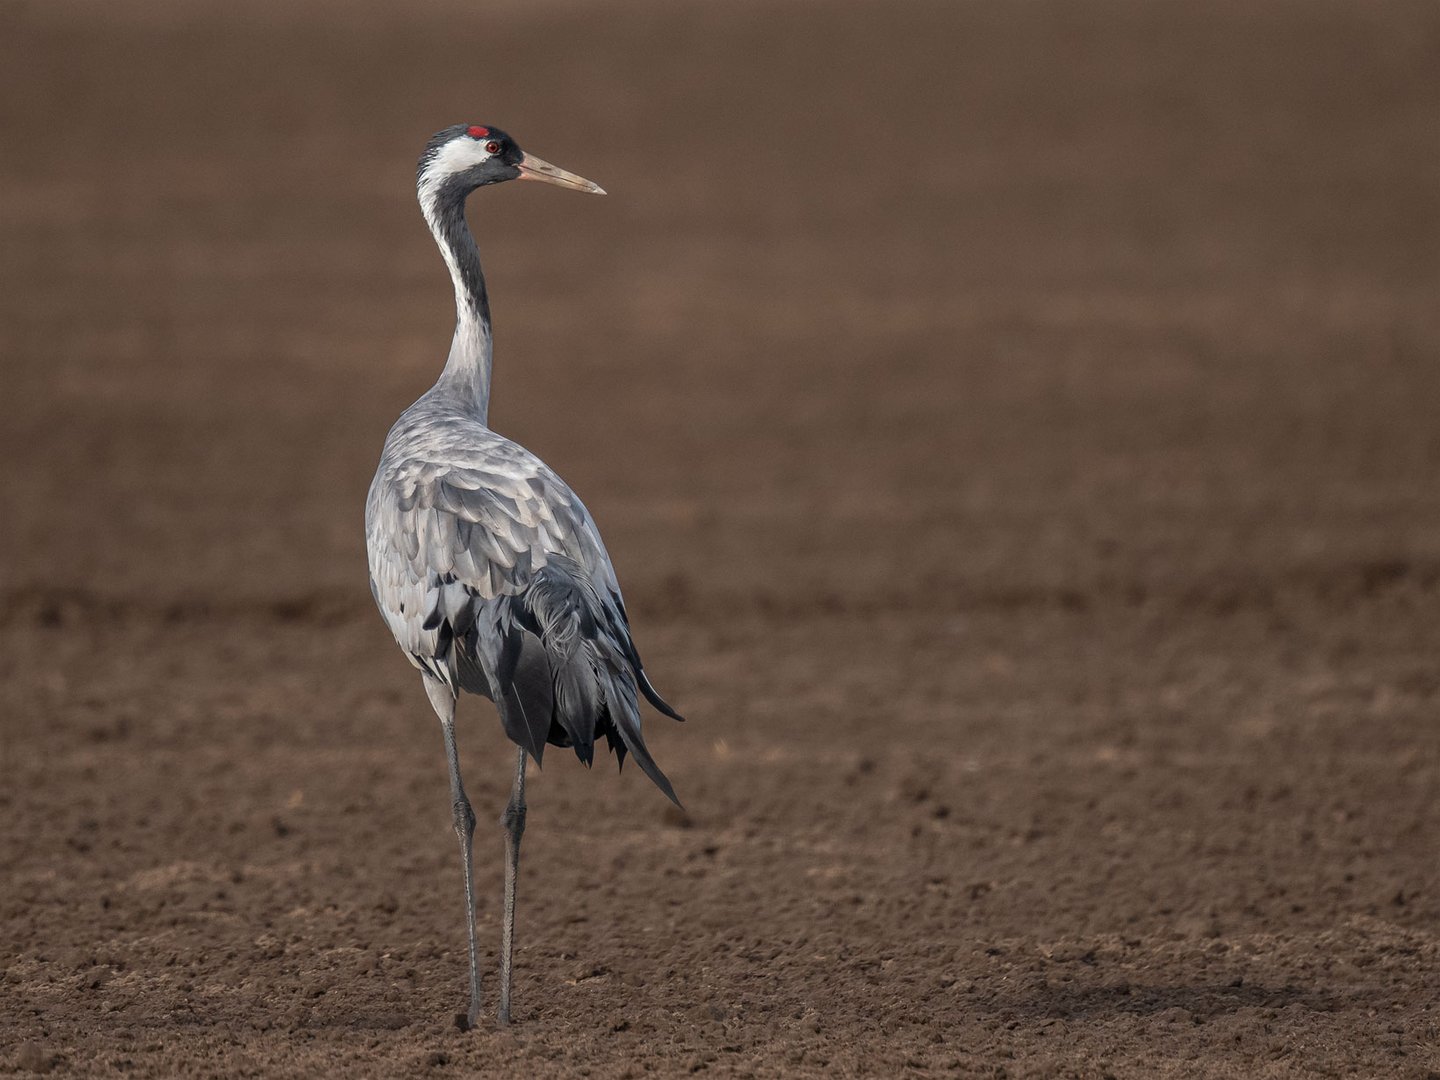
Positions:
(624, 712)
(653, 696)
(568, 670)
(577, 696)
(527, 701)
(632, 654)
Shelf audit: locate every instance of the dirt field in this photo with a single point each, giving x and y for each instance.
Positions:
(1015, 428)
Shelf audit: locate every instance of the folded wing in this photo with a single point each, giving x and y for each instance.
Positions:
(493, 579)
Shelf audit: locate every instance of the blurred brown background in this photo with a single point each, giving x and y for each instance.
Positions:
(1014, 427)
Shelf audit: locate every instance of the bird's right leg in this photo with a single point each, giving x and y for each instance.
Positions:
(513, 821)
(464, 818)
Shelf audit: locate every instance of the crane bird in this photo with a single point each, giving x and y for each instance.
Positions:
(486, 567)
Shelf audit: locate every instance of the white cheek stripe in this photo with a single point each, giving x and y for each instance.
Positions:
(470, 349)
(456, 156)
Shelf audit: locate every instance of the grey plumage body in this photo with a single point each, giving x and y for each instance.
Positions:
(493, 579)
(486, 567)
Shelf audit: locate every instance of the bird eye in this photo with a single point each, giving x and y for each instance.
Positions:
(492, 147)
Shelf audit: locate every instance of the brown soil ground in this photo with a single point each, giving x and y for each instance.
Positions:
(1015, 429)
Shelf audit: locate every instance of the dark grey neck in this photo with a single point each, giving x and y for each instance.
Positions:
(467, 370)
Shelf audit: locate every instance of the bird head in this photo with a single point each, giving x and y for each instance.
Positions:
(467, 156)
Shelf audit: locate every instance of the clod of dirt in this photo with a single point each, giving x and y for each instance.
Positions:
(31, 1058)
(914, 789)
(676, 818)
(95, 978)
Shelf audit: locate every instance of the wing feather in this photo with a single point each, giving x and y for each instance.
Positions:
(453, 498)
(493, 578)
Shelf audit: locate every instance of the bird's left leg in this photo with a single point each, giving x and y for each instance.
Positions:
(513, 821)
(464, 817)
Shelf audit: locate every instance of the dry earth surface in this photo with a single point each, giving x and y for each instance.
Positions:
(1015, 428)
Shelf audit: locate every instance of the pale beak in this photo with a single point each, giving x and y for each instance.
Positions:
(532, 168)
